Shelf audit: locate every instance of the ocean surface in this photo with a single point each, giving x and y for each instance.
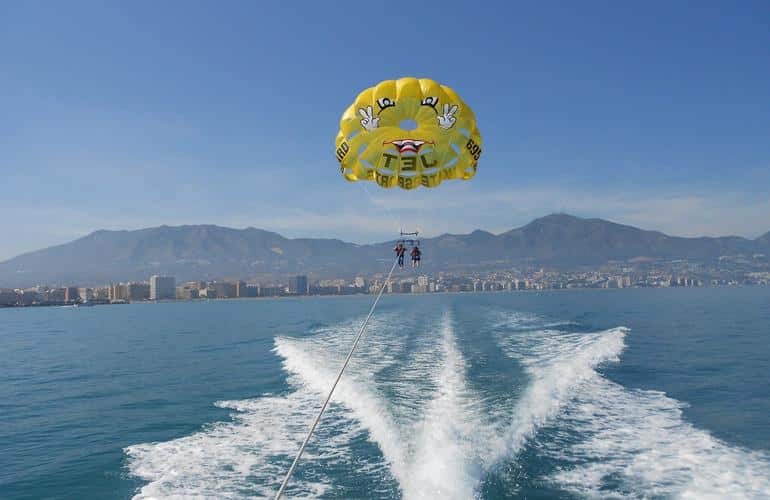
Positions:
(637, 393)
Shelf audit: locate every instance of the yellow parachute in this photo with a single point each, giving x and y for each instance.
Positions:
(408, 133)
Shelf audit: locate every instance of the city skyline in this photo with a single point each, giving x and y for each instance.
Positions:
(677, 273)
(653, 115)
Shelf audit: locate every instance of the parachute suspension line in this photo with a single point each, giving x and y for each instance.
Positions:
(336, 381)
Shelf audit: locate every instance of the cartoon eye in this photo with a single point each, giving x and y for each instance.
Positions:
(430, 101)
(384, 102)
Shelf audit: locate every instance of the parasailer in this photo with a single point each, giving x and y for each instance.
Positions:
(408, 133)
(400, 251)
(416, 255)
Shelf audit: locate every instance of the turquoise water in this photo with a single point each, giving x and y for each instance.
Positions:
(619, 393)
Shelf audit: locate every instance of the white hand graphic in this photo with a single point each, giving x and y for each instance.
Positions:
(446, 120)
(369, 121)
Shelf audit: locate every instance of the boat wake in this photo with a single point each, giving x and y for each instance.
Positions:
(406, 421)
(557, 363)
(637, 444)
(249, 455)
(433, 453)
(613, 441)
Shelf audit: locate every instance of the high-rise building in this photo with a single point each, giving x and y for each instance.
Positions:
(118, 291)
(208, 292)
(56, 295)
(270, 291)
(85, 294)
(186, 292)
(162, 287)
(138, 291)
(28, 296)
(298, 285)
(225, 289)
(71, 295)
(8, 297)
(189, 290)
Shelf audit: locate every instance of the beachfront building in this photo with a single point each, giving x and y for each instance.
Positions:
(8, 297)
(138, 291)
(188, 291)
(71, 295)
(85, 294)
(118, 292)
(162, 287)
(298, 285)
(225, 289)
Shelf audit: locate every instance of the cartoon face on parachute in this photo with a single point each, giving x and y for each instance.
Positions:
(408, 133)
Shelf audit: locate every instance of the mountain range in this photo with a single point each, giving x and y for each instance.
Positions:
(557, 241)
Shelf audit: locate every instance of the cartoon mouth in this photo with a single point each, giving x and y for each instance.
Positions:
(408, 145)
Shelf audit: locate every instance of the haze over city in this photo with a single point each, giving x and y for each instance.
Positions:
(656, 117)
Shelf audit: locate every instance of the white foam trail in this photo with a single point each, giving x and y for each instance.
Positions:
(557, 363)
(619, 443)
(248, 456)
(638, 442)
(236, 459)
(519, 320)
(434, 456)
(434, 448)
(449, 440)
(354, 391)
(436, 438)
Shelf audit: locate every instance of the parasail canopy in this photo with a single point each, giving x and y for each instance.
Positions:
(408, 133)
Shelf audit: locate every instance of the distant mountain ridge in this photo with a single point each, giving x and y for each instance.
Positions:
(215, 252)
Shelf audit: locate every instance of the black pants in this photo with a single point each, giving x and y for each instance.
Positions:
(401, 261)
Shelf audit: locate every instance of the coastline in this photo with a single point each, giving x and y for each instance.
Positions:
(344, 296)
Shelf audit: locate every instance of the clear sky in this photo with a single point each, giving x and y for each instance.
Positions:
(132, 114)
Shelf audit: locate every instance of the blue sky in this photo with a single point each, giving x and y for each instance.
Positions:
(132, 114)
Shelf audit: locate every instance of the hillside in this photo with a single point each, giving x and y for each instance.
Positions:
(212, 252)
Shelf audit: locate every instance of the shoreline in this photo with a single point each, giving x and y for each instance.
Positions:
(341, 296)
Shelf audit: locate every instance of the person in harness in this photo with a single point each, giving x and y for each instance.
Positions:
(416, 253)
(400, 251)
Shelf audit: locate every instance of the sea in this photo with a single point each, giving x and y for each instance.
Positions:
(628, 393)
